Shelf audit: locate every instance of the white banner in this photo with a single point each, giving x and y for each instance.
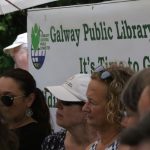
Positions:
(68, 40)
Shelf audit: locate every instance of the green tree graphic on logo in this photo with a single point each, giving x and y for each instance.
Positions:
(35, 36)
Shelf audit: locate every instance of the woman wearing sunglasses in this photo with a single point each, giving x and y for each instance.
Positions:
(104, 108)
(71, 97)
(24, 108)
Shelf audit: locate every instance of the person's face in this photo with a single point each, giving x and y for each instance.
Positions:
(95, 107)
(130, 118)
(68, 116)
(144, 102)
(20, 57)
(16, 111)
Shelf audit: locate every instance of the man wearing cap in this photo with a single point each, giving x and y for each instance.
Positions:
(19, 51)
(71, 97)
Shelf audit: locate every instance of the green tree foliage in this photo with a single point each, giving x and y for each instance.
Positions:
(10, 26)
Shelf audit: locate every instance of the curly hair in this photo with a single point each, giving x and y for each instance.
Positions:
(119, 76)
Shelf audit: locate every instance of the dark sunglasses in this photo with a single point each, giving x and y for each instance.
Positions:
(65, 103)
(103, 73)
(7, 100)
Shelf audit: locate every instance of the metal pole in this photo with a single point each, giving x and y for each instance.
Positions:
(13, 4)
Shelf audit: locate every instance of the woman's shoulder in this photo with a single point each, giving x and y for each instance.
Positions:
(30, 136)
(54, 141)
(60, 135)
(92, 146)
(31, 127)
(114, 145)
(31, 131)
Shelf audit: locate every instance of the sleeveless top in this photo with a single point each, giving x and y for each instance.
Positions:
(54, 141)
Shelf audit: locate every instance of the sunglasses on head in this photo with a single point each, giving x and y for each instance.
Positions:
(7, 100)
(66, 103)
(103, 73)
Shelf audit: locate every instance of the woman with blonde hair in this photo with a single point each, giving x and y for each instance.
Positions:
(104, 108)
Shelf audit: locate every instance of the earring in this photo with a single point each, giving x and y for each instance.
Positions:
(29, 112)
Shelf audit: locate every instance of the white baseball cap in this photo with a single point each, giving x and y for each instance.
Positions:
(73, 90)
(21, 39)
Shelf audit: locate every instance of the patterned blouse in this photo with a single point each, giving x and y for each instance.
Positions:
(54, 141)
(113, 146)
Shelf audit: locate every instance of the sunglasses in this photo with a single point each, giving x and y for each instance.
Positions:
(7, 100)
(65, 103)
(103, 73)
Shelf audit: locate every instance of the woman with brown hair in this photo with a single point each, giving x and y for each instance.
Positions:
(24, 108)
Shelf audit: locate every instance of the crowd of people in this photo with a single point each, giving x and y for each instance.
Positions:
(108, 109)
